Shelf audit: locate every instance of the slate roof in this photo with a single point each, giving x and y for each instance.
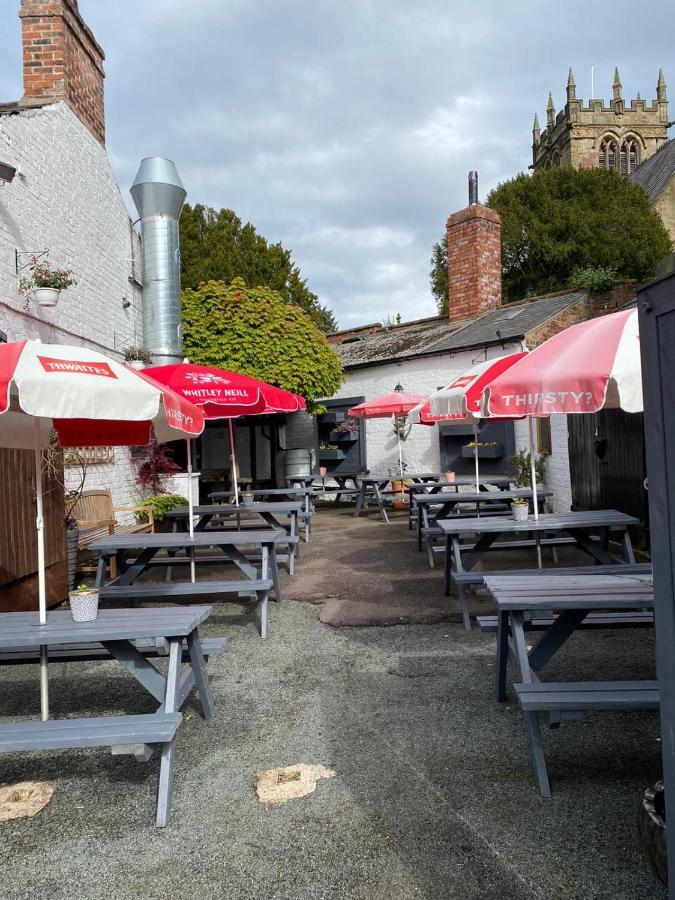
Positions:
(655, 172)
(427, 337)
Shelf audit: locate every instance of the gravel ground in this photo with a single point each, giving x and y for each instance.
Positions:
(434, 795)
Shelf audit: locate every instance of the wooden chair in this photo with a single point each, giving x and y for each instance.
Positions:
(95, 515)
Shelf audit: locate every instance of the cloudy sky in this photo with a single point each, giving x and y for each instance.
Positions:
(346, 129)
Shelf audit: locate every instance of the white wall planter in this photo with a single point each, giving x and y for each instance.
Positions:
(45, 296)
(136, 363)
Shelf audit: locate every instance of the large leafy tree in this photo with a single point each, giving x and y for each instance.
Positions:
(254, 330)
(558, 222)
(215, 245)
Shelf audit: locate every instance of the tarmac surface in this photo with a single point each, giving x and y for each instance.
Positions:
(434, 795)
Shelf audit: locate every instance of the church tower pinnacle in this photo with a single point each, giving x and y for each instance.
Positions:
(571, 87)
(550, 111)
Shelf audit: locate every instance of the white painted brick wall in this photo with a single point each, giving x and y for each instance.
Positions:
(421, 451)
(66, 201)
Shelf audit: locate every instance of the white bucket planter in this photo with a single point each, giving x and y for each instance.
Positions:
(520, 511)
(136, 364)
(83, 605)
(45, 296)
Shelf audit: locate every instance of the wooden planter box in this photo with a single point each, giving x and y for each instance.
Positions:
(495, 452)
(333, 417)
(331, 454)
(347, 437)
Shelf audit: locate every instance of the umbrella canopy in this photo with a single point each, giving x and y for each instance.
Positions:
(591, 366)
(464, 395)
(395, 404)
(88, 398)
(222, 394)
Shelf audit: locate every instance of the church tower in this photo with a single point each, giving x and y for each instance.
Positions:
(617, 136)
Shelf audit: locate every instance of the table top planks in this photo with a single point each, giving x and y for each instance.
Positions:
(557, 592)
(22, 629)
(229, 509)
(581, 519)
(480, 497)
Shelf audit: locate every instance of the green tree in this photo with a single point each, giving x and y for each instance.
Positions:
(254, 330)
(560, 220)
(216, 246)
(438, 275)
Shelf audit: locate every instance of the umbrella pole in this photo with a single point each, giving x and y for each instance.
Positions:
(400, 451)
(533, 476)
(475, 457)
(190, 508)
(233, 460)
(42, 590)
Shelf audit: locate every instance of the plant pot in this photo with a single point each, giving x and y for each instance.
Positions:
(652, 830)
(323, 471)
(247, 499)
(72, 538)
(397, 487)
(136, 363)
(520, 511)
(164, 526)
(83, 605)
(46, 296)
(450, 476)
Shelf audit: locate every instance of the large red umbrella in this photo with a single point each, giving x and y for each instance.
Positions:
(90, 400)
(397, 404)
(224, 395)
(585, 368)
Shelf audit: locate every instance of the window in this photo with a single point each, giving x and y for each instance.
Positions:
(607, 156)
(544, 443)
(629, 156)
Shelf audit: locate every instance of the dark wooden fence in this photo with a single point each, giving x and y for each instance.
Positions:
(607, 465)
(18, 537)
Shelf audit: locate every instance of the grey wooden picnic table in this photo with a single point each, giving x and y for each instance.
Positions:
(293, 494)
(441, 485)
(145, 547)
(432, 507)
(572, 599)
(282, 516)
(580, 526)
(372, 486)
(117, 630)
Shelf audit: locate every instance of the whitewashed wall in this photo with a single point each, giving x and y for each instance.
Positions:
(421, 451)
(65, 200)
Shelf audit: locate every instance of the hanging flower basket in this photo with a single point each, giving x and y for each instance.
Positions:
(46, 296)
(44, 284)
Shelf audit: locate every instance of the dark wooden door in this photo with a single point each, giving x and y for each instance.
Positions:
(18, 536)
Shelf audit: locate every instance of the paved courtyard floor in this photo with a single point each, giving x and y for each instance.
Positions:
(434, 795)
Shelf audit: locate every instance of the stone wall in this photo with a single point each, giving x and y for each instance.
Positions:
(65, 200)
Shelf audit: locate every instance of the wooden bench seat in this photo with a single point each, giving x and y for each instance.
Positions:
(97, 518)
(94, 652)
(476, 576)
(562, 697)
(488, 624)
(178, 591)
(123, 734)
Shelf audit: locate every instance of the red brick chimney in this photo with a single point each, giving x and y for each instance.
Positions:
(62, 61)
(474, 259)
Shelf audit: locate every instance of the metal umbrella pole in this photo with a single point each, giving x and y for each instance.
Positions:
(533, 476)
(191, 509)
(233, 460)
(42, 589)
(475, 458)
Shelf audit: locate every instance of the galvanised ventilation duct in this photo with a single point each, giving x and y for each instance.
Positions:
(159, 195)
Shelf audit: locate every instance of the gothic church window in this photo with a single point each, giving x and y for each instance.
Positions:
(607, 157)
(629, 156)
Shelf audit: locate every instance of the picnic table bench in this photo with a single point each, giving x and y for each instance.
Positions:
(300, 494)
(257, 583)
(117, 630)
(586, 529)
(569, 600)
(432, 507)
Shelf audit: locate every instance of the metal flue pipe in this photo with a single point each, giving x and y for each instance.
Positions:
(473, 187)
(159, 195)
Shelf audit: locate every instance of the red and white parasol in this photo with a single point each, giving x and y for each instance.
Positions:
(588, 367)
(397, 404)
(90, 400)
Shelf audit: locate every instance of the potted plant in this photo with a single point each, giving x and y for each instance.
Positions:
(450, 477)
(160, 504)
(72, 540)
(520, 509)
(138, 357)
(83, 603)
(247, 498)
(482, 449)
(522, 476)
(45, 284)
(323, 471)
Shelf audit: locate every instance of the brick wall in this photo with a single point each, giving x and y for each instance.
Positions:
(81, 219)
(474, 262)
(62, 60)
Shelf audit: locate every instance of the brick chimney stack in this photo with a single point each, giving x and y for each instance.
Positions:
(474, 261)
(62, 61)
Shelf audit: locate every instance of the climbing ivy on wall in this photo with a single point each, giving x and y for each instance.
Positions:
(255, 331)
